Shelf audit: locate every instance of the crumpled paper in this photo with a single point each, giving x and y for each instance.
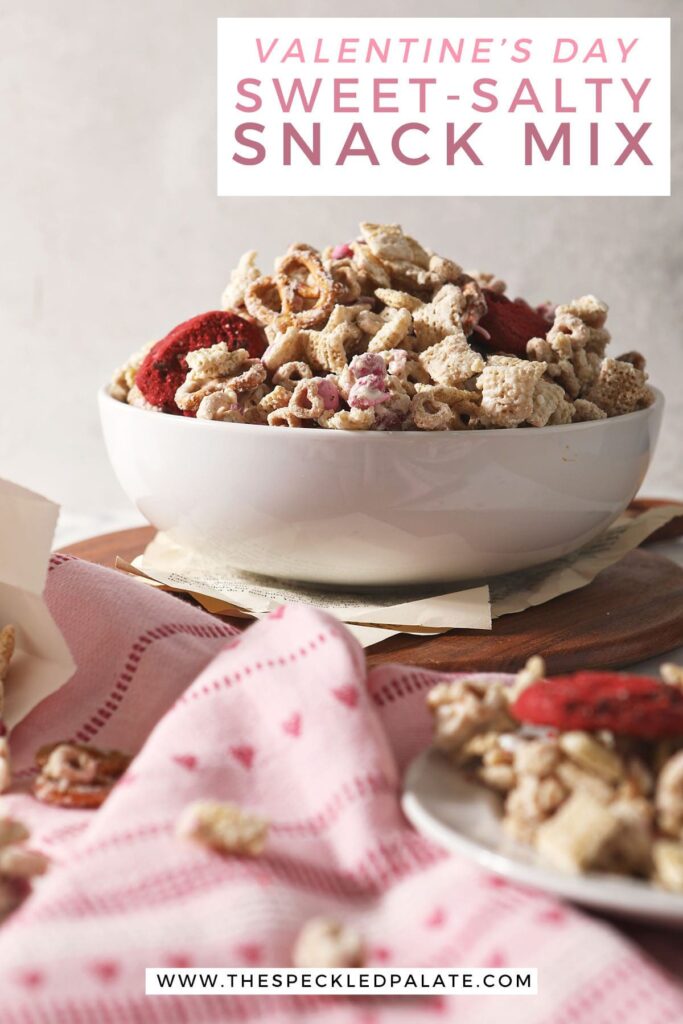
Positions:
(42, 661)
(374, 617)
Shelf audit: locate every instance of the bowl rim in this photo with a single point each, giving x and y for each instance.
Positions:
(382, 436)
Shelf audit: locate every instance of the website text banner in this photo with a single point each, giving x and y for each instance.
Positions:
(443, 106)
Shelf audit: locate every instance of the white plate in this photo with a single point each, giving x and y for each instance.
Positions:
(464, 818)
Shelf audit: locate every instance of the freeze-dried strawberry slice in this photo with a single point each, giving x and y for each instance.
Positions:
(509, 324)
(628, 705)
(164, 367)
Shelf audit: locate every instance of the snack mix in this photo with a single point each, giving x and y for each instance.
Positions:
(383, 334)
(590, 766)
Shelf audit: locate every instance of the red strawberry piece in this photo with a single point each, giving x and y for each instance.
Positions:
(164, 367)
(509, 324)
(628, 705)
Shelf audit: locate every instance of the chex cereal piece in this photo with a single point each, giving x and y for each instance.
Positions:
(441, 317)
(326, 350)
(508, 390)
(392, 333)
(389, 244)
(395, 299)
(620, 388)
(585, 410)
(224, 827)
(548, 400)
(371, 271)
(76, 775)
(576, 836)
(323, 942)
(452, 361)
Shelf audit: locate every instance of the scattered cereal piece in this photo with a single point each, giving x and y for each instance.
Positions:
(323, 942)
(508, 391)
(223, 827)
(452, 361)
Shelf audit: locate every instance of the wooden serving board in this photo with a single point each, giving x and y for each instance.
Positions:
(631, 612)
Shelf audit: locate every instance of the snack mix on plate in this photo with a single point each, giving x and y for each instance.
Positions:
(383, 334)
(223, 827)
(590, 766)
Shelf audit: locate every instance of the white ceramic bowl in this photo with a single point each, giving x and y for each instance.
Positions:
(362, 508)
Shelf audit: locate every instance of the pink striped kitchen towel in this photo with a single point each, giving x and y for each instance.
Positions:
(285, 720)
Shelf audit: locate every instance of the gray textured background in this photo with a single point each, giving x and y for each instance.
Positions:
(112, 233)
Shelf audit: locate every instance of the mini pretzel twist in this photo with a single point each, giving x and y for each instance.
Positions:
(300, 278)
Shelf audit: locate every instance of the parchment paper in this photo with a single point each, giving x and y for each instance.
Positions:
(42, 661)
(373, 617)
